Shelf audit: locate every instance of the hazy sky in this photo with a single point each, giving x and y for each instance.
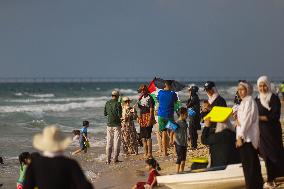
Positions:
(113, 38)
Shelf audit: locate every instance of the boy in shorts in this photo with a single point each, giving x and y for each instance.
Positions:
(179, 139)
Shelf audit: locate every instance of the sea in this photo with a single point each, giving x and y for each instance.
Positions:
(26, 108)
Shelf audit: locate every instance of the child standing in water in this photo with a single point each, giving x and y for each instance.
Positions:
(25, 160)
(153, 167)
(83, 140)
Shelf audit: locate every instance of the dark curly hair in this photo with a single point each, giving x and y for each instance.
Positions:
(153, 163)
(22, 157)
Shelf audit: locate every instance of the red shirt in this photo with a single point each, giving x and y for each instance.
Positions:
(152, 176)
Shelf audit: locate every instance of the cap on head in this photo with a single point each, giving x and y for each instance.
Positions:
(209, 85)
(193, 88)
(115, 93)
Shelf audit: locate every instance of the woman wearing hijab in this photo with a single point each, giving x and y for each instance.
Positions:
(128, 131)
(248, 137)
(52, 169)
(271, 143)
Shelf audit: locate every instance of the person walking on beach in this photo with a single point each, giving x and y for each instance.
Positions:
(194, 121)
(271, 142)
(248, 137)
(146, 119)
(113, 111)
(52, 169)
(128, 131)
(167, 99)
(179, 139)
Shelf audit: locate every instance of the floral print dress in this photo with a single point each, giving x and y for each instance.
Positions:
(128, 131)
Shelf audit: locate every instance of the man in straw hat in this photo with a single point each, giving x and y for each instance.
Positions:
(113, 111)
(52, 169)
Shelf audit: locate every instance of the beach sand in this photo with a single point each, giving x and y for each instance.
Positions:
(125, 174)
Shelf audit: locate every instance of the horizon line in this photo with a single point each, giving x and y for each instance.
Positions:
(122, 79)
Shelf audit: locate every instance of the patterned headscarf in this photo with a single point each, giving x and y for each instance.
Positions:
(248, 87)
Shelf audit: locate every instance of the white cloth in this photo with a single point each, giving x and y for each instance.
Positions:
(52, 154)
(113, 140)
(248, 120)
(212, 98)
(265, 97)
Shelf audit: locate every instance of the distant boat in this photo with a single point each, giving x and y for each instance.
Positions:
(230, 176)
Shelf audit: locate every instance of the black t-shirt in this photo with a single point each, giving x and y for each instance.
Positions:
(145, 103)
(55, 173)
(219, 101)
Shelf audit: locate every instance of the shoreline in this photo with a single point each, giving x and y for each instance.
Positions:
(123, 174)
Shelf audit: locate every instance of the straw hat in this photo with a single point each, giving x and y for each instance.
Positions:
(124, 99)
(51, 140)
(115, 93)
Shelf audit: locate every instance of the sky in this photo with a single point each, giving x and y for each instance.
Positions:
(141, 38)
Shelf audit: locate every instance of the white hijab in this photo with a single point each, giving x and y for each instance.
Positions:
(212, 98)
(265, 97)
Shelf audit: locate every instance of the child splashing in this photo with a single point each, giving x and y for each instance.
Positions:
(25, 160)
(83, 138)
(153, 167)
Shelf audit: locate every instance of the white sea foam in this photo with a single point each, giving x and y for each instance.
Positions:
(49, 95)
(73, 99)
(18, 94)
(126, 91)
(53, 107)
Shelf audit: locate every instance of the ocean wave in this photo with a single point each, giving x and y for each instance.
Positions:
(126, 91)
(52, 107)
(73, 99)
(18, 94)
(49, 95)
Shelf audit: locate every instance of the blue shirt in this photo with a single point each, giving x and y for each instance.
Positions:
(166, 101)
(85, 131)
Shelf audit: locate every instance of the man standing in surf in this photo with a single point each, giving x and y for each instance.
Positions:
(113, 111)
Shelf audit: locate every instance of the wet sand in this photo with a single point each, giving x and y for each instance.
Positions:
(125, 174)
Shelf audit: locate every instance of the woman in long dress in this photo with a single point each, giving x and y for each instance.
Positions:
(271, 143)
(248, 137)
(128, 131)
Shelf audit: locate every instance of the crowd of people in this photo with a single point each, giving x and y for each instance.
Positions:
(254, 132)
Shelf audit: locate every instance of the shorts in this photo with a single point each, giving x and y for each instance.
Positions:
(181, 153)
(145, 132)
(163, 122)
(82, 145)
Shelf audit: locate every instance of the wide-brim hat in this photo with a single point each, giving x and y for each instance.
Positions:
(51, 140)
